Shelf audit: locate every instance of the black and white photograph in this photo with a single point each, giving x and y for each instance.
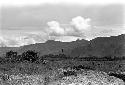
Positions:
(62, 42)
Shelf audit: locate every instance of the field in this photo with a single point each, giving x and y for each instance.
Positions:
(55, 72)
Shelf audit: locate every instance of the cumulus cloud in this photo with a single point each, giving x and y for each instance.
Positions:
(81, 26)
(55, 28)
(77, 27)
(80, 23)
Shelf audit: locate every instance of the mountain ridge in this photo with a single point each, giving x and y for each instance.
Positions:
(100, 46)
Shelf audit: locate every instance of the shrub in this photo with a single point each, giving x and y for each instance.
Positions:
(30, 56)
(11, 56)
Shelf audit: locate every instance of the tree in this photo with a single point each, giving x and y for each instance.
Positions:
(11, 55)
(30, 56)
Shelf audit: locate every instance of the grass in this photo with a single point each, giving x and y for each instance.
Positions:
(53, 73)
(52, 78)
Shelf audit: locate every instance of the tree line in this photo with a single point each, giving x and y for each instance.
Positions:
(12, 56)
(27, 56)
(33, 56)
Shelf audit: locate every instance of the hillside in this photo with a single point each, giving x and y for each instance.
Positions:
(49, 47)
(102, 46)
(53, 47)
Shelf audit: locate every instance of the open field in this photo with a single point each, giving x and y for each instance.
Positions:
(51, 72)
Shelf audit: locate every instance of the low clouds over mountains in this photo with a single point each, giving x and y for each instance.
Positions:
(101, 46)
(23, 25)
(77, 28)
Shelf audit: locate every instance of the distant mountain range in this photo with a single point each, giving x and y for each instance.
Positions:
(100, 46)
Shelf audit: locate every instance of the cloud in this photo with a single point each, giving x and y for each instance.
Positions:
(77, 27)
(66, 38)
(2, 44)
(80, 23)
(55, 29)
(25, 39)
(80, 2)
(32, 38)
(8, 42)
(80, 28)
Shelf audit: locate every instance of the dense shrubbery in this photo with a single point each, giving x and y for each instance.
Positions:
(11, 56)
(33, 56)
(30, 56)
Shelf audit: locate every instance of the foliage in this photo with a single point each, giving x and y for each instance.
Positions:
(33, 56)
(30, 56)
(11, 55)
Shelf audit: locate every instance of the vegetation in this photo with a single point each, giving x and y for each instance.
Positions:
(33, 56)
(48, 64)
(30, 56)
(55, 78)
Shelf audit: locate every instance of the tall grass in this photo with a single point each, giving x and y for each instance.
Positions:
(57, 77)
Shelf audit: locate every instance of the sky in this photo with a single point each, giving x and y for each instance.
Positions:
(24, 22)
(39, 2)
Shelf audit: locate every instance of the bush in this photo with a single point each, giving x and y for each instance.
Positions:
(30, 56)
(11, 56)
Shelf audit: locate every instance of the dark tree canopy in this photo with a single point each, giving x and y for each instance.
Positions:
(11, 55)
(30, 56)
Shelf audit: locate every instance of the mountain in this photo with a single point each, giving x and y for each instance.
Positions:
(49, 47)
(102, 46)
(53, 47)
